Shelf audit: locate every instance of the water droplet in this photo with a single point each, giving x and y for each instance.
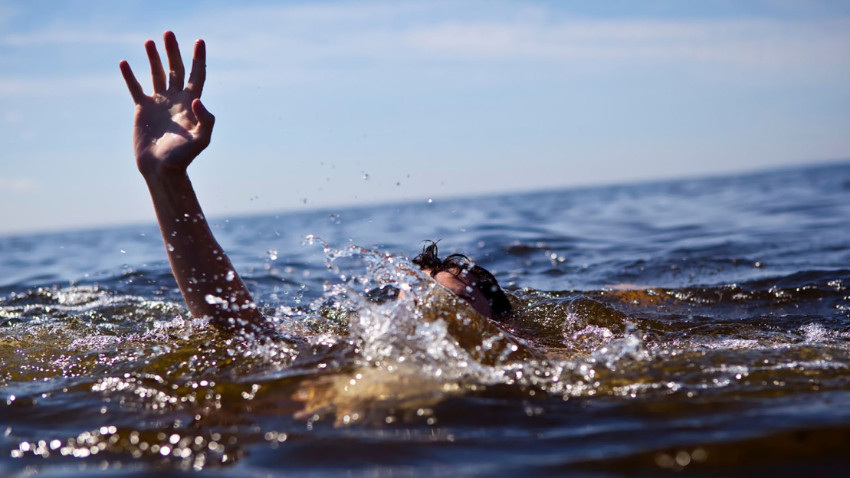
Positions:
(272, 255)
(430, 200)
(365, 176)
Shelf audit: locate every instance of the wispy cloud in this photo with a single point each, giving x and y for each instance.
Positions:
(64, 85)
(16, 185)
(66, 37)
(772, 43)
(298, 41)
(277, 44)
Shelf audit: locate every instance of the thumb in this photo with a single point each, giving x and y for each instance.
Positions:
(206, 120)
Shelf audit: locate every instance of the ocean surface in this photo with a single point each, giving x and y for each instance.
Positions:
(692, 326)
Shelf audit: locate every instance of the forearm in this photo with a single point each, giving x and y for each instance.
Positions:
(209, 283)
(170, 128)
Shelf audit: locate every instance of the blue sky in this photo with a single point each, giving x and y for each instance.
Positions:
(329, 104)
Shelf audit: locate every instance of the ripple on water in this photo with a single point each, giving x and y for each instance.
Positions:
(734, 352)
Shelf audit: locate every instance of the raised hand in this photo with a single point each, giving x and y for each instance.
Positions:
(171, 126)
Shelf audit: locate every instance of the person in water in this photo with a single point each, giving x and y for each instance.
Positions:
(170, 129)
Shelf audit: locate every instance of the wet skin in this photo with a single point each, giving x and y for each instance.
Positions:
(462, 284)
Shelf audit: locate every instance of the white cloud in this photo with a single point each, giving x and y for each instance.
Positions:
(64, 85)
(286, 43)
(257, 45)
(386, 31)
(66, 37)
(742, 42)
(16, 185)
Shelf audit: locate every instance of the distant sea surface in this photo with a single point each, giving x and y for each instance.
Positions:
(698, 326)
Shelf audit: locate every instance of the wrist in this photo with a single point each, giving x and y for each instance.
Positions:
(154, 170)
(167, 183)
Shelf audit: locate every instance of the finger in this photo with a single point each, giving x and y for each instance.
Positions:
(176, 72)
(199, 69)
(132, 83)
(157, 73)
(206, 121)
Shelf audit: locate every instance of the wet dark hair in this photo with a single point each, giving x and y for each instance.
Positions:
(482, 279)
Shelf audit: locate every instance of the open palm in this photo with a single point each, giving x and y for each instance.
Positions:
(171, 126)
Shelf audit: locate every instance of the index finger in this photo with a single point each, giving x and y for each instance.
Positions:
(132, 83)
(199, 69)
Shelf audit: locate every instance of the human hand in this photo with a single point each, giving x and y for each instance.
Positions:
(171, 126)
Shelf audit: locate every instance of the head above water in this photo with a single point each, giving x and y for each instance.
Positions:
(468, 281)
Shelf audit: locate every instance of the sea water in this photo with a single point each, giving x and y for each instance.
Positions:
(695, 325)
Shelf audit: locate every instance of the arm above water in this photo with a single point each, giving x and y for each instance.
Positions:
(171, 127)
